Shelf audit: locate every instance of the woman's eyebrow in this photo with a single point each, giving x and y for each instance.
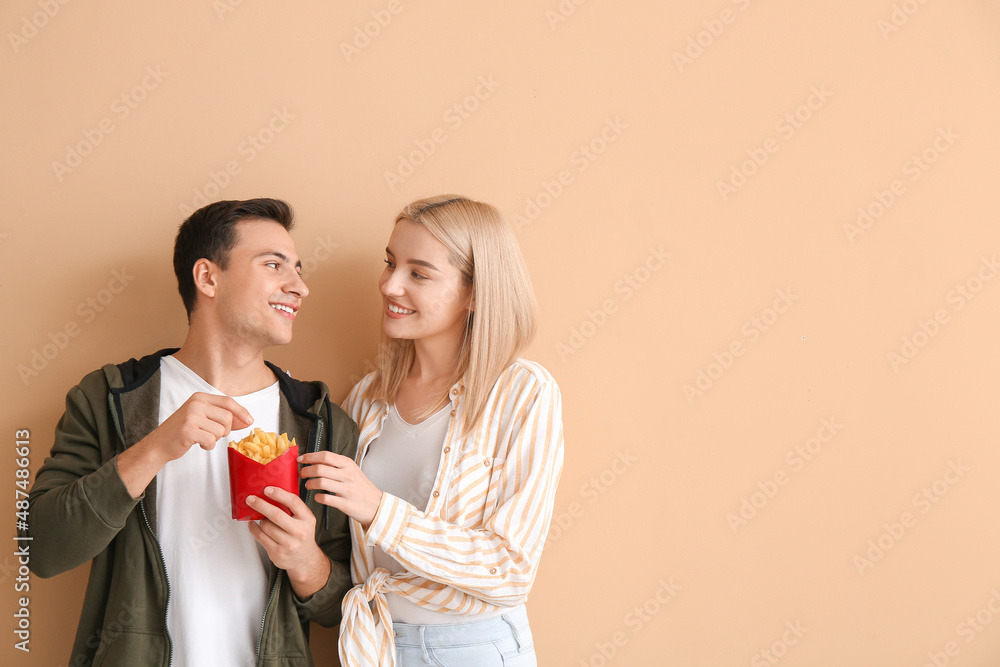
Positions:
(418, 262)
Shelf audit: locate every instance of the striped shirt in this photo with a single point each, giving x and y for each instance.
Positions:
(476, 546)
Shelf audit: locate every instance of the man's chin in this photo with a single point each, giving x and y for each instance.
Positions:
(282, 340)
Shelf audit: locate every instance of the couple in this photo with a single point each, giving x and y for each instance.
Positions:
(422, 510)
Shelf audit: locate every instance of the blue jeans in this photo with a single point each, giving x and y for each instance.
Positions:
(503, 641)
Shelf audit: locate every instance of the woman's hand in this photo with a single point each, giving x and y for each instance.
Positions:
(343, 484)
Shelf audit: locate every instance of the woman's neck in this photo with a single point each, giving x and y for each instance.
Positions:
(434, 360)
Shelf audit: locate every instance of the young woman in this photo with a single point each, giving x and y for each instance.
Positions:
(460, 451)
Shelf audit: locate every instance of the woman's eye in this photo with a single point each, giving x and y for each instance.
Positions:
(389, 264)
(417, 275)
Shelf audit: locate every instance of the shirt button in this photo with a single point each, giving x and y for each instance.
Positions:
(493, 570)
(452, 413)
(454, 392)
(447, 449)
(436, 494)
(486, 464)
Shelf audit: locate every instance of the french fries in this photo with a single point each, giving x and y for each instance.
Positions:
(262, 446)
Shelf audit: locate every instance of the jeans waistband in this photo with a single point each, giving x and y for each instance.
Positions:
(464, 633)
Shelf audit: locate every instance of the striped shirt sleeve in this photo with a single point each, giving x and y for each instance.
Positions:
(495, 562)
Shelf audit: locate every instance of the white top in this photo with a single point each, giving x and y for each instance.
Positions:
(217, 571)
(403, 460)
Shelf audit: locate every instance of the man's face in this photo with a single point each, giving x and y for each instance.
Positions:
(259, 293)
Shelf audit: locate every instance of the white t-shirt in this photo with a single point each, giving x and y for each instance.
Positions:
(217, 571)
(403, 460)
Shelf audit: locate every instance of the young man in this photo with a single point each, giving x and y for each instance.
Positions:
(137, 480)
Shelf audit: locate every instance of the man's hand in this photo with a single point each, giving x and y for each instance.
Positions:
(290, 541)
(201, 420)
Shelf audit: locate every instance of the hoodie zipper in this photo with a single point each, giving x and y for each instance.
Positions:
(142, 508)
(326, 508)
(274, 587)
(114, 418)
(163, 564)
(315, 448)
(260, 635)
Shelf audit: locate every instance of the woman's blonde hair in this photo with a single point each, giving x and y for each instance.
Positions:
(482, 246)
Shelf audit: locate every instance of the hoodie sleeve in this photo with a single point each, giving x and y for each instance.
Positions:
(78, 502)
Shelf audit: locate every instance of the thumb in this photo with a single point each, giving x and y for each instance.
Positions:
(241, 419)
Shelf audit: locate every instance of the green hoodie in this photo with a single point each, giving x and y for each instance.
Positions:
(81, 511)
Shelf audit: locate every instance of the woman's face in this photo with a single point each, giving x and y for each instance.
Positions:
(423, 294)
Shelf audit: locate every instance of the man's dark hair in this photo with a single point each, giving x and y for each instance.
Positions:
(210, 233)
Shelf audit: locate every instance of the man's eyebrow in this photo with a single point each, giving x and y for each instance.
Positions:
(418, 262)
(280, 255)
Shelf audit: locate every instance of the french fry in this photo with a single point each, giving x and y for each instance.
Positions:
(263, 447)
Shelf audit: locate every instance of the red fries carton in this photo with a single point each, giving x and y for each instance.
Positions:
(249, 478)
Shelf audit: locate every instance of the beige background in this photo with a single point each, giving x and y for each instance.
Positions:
(608, 132)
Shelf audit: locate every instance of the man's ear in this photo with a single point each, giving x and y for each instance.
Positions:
(205, 275)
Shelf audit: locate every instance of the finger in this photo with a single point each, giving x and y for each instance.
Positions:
(324, 458)
(273, 513)
(334, 501)
(218, 417)
(322, 471)
(289, 500)
(238, 417)
(265, 540)
(324, 484)
(206, 439)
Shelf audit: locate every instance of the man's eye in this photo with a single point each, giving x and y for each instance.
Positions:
(273, 265)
